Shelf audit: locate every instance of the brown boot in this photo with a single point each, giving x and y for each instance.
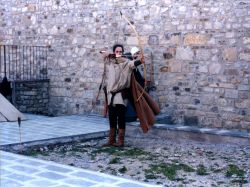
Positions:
(121, 135)
(112, 137)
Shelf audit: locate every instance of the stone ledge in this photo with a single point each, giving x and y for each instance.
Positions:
(191, 133)
(16, 147)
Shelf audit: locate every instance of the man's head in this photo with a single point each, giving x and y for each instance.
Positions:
(135, 51)
(118, 49)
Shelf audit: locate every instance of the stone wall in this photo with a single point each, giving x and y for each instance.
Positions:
(197, 52)
(32, 96)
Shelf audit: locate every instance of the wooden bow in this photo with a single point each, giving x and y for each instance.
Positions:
(99, 90)
(142, 53)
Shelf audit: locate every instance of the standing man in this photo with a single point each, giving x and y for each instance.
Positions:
(136, 54)
(118, 79)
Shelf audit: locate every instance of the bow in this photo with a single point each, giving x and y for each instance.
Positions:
(142, 53)
(98, 93)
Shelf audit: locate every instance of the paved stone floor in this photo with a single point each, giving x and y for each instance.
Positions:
(23, 171)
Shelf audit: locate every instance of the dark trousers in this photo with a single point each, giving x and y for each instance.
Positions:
(117, 116)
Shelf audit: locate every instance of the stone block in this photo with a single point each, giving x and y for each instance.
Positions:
(153, 40)
(222, 85)
(229, 54)
(62, 63)
(202, 69)
(245, 125)
(207, 99)
(191, 120)
(184, 53)
(162, 99)
(246, 118)
(216, 123)
(132, 40)
(208, 89)
(175, 66)
(148, 28)
(196, 39)
(175, 39)
(231, 72)
(214, 68)
(203, 54)
(187, 99)
(230, 93)
(243, 104)
(243, 87)
(168, 2)
(245, 56)
(167, 55)
(164, 69)
(170, 53)
(244, 95)
(141, 2)
(246, 40)
(230, 125)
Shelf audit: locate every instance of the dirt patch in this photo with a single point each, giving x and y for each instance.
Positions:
(157, 161)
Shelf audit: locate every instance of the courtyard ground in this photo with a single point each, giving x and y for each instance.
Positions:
(67, 151)
(164, 162)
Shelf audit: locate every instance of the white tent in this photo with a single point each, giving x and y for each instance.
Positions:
(8, 112)
(2, 118)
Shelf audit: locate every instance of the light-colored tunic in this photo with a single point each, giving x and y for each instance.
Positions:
(118, 77)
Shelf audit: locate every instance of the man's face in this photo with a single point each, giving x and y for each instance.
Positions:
(118, 52)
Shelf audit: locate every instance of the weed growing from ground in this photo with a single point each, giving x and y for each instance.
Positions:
(201, 170)
(234, 170)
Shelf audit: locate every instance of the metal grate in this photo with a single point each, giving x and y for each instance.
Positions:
(23, 62)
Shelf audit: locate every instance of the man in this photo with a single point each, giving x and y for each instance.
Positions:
(117, 83)
(136, 53)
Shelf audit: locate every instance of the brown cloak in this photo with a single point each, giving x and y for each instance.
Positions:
(146, 108)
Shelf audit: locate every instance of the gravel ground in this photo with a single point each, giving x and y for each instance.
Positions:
(183, 163)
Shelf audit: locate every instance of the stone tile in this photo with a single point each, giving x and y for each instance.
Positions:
(5, 172)
(106, 185)
(131, 184)
(95, 177)
(5, 163)
(51, 128)
(7, 157)
(9, 183)
(58, 169)
(41, 183)
(20, 177)
(27, 170)
(4, 142)
(79, 182)
(51, 175)
(30, 162)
